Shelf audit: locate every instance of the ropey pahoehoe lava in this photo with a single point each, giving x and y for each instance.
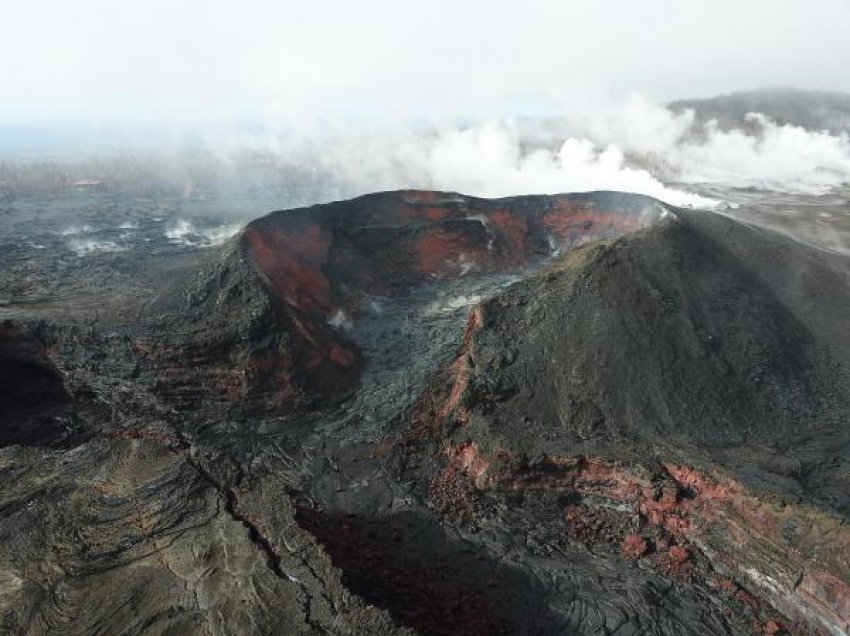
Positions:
(421, 412)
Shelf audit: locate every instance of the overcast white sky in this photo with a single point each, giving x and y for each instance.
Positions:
(206, 59)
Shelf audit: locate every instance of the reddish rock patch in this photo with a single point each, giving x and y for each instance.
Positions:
(679, 554)
(292, 262)
(634, 546)
(306, 254)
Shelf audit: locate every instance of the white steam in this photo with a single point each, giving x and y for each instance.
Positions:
(780, 158)
(784, 158)
(637, 147)
(451, 304)
(84, 247)
(490, 161)
(185, 233)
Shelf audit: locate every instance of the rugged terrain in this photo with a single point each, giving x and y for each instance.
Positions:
(420, 412)
(812, 110)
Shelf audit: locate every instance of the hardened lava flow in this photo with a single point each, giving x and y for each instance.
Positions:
(425, 413)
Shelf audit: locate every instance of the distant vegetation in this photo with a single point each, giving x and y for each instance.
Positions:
(814, 110)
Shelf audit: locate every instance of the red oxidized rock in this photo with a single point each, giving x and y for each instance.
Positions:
(471, 461)
(679, 554)
(634, 546)
(771, 628)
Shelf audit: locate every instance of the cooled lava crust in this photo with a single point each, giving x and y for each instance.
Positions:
(685, 390)
(640, 429)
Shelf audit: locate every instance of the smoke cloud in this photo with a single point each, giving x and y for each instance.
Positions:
(636, 146)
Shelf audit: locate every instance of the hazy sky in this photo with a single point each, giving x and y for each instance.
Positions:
(206, 59)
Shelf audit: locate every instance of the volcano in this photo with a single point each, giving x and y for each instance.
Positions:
(425, 413)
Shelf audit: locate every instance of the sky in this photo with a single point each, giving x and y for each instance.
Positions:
(219, 60)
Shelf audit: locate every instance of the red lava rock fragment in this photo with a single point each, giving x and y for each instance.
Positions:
(470, 460)
(679, 554)
(771, 628)
(727, 586)
(453, 493)
(746, 598)
(634, 546)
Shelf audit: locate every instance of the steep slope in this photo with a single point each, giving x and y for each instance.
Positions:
(701, 331)
(693, 374)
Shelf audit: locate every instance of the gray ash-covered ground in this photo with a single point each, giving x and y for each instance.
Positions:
(79, 249)
(403, 341)
(639, 435)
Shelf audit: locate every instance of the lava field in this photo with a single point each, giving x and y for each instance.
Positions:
(425, 413)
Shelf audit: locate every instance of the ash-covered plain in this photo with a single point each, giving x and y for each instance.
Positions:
(421, 412)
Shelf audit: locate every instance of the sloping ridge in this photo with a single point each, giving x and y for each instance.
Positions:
(700, 329)
(219, 333)
(708, 352)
